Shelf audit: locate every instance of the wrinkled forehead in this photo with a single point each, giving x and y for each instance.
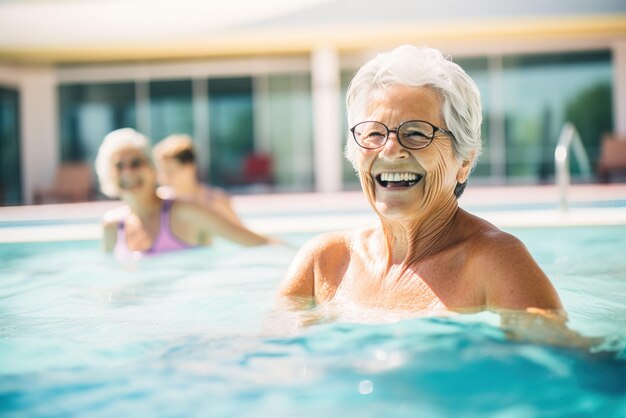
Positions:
(127, 153)
(403, 103)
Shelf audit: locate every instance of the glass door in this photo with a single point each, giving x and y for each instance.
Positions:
(10, 161)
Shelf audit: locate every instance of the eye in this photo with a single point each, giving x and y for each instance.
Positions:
(373, 134)
(136, 163)
(415, 133)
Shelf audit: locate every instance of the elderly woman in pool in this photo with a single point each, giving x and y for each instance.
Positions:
(147, 224)
(414, 137)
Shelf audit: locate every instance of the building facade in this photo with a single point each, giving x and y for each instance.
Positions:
(276, 89)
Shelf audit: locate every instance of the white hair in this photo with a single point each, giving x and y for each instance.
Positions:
(414, 67)
(113, 142)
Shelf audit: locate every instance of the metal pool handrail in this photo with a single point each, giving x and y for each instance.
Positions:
(569, 138)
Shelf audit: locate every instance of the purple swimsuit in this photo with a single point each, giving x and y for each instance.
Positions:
(164, 241)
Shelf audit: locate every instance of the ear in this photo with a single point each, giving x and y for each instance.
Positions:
(464, 170)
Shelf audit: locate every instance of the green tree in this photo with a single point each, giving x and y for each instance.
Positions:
(591, 112)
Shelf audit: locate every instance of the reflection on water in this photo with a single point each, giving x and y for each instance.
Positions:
(197, 334)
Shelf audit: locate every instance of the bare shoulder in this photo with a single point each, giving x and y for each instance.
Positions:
(319, 260)
(217, 191)
(486, 241)
(187, 211)
(508, 273)
(493, 242)
(323, 250)
(212, 193)
(329, 241)
(188, 215)
(196, 215)
(185, 207)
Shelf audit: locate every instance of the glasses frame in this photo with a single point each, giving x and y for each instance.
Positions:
(134, 163)
(395, 131)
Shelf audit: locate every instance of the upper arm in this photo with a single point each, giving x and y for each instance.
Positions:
(203, 219)
(300, 277)
(218, 199)
(109, 236)
(512, 278)
(110, 224)
(317, 268)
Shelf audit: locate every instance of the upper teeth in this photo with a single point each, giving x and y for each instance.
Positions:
(398, 176)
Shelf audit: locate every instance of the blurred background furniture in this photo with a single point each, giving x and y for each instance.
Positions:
(72, 183)
(257, 169)
(612, 158)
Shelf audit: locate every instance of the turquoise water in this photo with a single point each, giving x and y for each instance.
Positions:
(195, 334)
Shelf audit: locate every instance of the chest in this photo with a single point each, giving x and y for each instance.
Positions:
(140, 236)
(439, 281)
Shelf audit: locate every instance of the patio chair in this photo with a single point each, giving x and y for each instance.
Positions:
(612, 157)
(257, 169)
(72, 183)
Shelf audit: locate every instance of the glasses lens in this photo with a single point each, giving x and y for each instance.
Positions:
(132, 164)
(136, 163)
(416, 134)
(370, 134)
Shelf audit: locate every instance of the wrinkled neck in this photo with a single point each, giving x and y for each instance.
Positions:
(410, 240)
(144, 205)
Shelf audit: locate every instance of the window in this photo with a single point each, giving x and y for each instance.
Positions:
(170, 109)
(540, 93)
(349, 175)
(291, 130)
(10, 167)
(231, 129)
(477, 69)
(89, 112)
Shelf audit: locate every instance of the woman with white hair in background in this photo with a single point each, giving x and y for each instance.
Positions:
(415, 119)
(147, 224)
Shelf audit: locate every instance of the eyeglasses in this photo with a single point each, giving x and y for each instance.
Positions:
(132, 164)
(412, 134)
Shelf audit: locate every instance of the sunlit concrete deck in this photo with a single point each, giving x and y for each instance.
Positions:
(511, 206)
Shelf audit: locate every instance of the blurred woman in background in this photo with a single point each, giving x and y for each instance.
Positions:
(148, 224)
(177, 173)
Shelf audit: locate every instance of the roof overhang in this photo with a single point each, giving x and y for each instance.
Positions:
(71, 33)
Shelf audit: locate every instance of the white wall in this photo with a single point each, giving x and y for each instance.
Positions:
(39, 129)
(36, 87)
(325, 74)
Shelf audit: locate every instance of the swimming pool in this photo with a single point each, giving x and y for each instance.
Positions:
(195, 334)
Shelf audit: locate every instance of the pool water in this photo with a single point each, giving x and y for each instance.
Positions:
(195, 334)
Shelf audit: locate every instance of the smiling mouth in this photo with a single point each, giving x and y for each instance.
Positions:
(398, 180)
(130, 184)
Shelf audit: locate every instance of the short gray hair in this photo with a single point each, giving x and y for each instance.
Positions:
(113, 142)
(414, 67)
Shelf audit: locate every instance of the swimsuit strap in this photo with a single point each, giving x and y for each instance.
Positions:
(166, 240)
(121, 249)
(165, 212)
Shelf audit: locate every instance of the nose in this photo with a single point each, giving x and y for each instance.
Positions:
(130, 165)
(393, 150)
(121, 168)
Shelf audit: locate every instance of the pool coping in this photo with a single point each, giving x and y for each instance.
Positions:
(277, 214)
